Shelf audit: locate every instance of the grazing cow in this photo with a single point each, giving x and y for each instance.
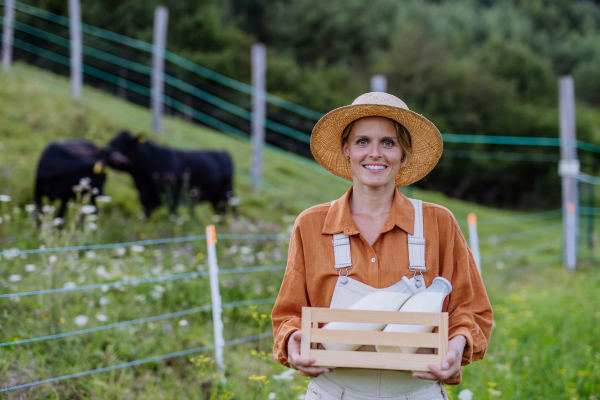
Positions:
(63, 165)
(162, 173)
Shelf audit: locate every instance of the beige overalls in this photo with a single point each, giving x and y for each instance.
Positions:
(366, 384)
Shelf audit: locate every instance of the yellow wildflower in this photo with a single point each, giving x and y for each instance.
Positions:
(258, 378)
(62, 321)
(491, 384)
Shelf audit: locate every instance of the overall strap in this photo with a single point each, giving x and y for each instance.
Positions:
(416, 244)
(341, 249)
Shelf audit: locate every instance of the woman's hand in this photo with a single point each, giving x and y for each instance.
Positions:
(301, 363)
(450, 364)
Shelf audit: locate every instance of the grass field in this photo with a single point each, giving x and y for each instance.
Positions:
(545, 344)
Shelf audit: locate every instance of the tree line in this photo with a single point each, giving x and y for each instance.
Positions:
(482, 67)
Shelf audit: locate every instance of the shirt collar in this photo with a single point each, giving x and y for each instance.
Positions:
(339, 219)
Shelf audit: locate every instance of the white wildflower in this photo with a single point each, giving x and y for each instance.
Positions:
(156, 295)
(234, 201)
(179, 268)
(500, 265)
(92, 226)
(14, 299)
(102, 272)
(494, 393)
(48, 209)
(58, 221)
(30, 268)
(14, 278)
(217, 218)
(183, 322)
(159, 288)
(137, 249)
(101, 317)
(90, 254)
(233, 249)
(272, 396)
(69, 285)
(465, 394)
(103, 301)
(120, 251)
(30, 207)
(88, 209)
(91, 217)
(286, 375)
(245, 250)
(85, 182)
(140, 297)
(104, 288)
(91, 303)
(156, 270)
(4, 198)
(81, 320)
(11, 253)
(52, 259)
(103, 199)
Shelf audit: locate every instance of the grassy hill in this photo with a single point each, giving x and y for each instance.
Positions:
(545, 344)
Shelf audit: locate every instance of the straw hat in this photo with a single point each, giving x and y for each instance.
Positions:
(326, 138)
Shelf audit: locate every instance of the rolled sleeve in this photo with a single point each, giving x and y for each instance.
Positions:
(287, 312)
(470, 311)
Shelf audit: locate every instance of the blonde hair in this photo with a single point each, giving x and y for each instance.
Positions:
(401, 132)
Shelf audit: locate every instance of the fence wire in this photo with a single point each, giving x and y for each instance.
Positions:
(143, 361)
(141, 321)
(148, 280)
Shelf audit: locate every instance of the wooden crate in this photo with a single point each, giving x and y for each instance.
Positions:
(312, 334)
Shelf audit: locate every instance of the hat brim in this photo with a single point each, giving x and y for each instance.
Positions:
(427, 143)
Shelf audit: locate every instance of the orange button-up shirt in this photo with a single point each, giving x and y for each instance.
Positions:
(310, 277)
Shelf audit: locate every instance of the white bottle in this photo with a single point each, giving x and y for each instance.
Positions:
(429, 300)
(380, 300)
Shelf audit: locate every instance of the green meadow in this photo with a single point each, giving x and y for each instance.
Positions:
(545, 343)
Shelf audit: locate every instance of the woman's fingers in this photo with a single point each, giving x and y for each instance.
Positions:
(449, 360)
(301, 363)
(314, 371)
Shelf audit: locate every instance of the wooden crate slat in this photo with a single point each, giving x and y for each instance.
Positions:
(379, 317)
(363, 359)
(311, 316)
(431, 340)
(306, 322)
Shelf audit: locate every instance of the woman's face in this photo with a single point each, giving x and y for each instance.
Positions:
(374, 151)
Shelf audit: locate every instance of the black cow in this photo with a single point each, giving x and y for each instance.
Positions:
(163, 173)
(63, 165)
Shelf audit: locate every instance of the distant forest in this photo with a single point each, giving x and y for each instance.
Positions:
(471, 67)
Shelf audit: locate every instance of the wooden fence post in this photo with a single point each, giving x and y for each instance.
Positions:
(215, 294)
(568, 169)
(76, 48)
(259, 111)
(378, 83)
(7, 36)
(161, 16)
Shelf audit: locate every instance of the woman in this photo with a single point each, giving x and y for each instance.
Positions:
(379, 145)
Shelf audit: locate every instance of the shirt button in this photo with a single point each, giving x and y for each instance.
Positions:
(373, 259)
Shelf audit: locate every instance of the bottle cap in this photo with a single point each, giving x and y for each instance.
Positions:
(445, 282)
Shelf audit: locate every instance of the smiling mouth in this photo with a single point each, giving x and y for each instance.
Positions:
(371, 167)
